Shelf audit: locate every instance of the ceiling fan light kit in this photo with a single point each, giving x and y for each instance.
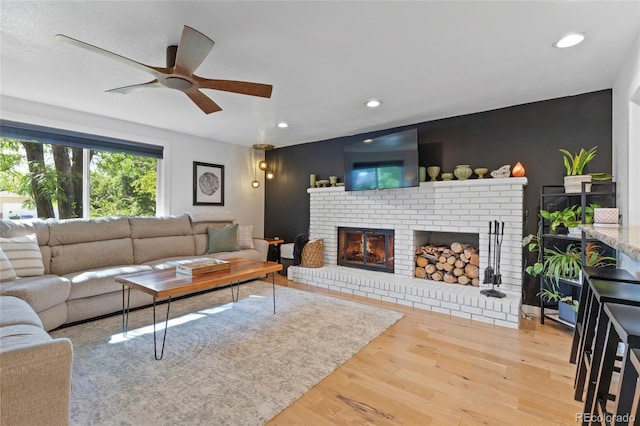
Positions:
(182, 61)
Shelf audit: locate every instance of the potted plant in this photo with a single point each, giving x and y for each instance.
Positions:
(562, 265)
(569, 217)
(574, 164)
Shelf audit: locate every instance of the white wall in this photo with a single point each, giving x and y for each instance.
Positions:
(626, 137)
(180, 151)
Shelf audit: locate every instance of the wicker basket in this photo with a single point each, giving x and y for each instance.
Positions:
(312, 254)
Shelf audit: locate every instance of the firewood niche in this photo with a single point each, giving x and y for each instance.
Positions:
(458, 263)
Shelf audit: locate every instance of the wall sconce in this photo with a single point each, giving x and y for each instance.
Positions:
(262, 164)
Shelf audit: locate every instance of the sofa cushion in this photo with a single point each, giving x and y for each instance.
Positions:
(17, 311)
(149, 227)
(6, 270)
(72, 231)
(222, 239)
(24, 255)
(19, 228)
(245, 237)
(20, 335)
(91, 255)
(39, 292)
(148, 249)
(99, 281)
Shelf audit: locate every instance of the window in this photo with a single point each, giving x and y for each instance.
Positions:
(42, 176)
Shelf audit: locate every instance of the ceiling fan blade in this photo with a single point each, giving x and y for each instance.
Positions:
(193, 48)
(242, 87)
(155, 71)
(203, 101)
(136, 87)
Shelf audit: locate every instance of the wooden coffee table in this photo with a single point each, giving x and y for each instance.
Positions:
(167, 283)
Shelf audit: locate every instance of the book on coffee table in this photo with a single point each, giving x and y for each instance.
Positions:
(202, 267)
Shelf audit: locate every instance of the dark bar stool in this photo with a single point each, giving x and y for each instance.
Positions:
(635, 408)
(623, 326)
(592, 342)
(589, 272)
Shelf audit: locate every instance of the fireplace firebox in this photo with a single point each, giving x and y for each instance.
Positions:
(366, 248)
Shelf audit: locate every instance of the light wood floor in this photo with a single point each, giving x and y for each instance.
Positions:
(431, 368)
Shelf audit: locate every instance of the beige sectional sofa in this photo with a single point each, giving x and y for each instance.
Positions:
(35, 370)
(81, 259)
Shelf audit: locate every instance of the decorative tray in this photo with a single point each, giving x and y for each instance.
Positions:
(202, 267)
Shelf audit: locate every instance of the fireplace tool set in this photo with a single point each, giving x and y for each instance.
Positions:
(492, 271)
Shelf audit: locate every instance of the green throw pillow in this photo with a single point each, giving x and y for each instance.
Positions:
(222, 239)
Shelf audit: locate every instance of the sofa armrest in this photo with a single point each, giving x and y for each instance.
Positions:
(35, 383)
(263, 247)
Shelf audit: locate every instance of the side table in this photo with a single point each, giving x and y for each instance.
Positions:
(274, 248)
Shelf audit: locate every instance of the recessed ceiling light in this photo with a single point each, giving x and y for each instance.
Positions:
(569, 40)
(367, 140)
(282, 125)
(373, 103)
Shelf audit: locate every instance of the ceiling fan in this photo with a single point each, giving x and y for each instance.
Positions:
(182, 61)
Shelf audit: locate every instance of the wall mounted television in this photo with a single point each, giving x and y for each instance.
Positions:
(389, 161)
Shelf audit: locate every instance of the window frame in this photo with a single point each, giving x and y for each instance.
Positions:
(88, 142)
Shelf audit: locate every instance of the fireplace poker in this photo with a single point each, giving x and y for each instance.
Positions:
(497, 278)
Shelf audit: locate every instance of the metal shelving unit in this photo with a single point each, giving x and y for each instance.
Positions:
(553, 198)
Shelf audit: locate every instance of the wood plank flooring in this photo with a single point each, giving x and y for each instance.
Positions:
(431, 368)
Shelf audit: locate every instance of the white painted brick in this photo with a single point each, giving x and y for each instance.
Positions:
(460, 314)
(422, 306)
(441, 310)
(482, 318)
(471, 310)
(507, 324)
(513, 318)
(493, 314)
(450, 305)
(430, 302)
(404, 302)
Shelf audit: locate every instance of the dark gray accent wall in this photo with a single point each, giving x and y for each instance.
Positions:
(530, 133)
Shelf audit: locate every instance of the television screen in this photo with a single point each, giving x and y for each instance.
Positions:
(389, 161)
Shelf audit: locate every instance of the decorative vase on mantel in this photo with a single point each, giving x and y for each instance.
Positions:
(573, 184)
(463, 171)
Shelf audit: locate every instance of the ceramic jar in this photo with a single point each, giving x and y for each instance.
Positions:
(422, 173)
(463, 171)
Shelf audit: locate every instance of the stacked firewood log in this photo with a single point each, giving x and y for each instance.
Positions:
(458, 263)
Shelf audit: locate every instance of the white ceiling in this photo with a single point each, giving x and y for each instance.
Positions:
(424, 60)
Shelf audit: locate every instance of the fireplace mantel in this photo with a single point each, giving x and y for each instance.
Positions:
(470, 183)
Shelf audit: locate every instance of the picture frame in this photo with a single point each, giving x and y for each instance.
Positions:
(208, 184)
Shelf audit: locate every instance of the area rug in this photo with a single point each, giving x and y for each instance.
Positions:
(224, 363)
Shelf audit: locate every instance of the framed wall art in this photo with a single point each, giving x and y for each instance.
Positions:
(208, 184)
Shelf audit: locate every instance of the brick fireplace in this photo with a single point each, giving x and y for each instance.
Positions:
(464, 207)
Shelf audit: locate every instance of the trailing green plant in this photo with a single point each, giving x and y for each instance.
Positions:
(556, 264)
(569, 216)
(574, 163)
